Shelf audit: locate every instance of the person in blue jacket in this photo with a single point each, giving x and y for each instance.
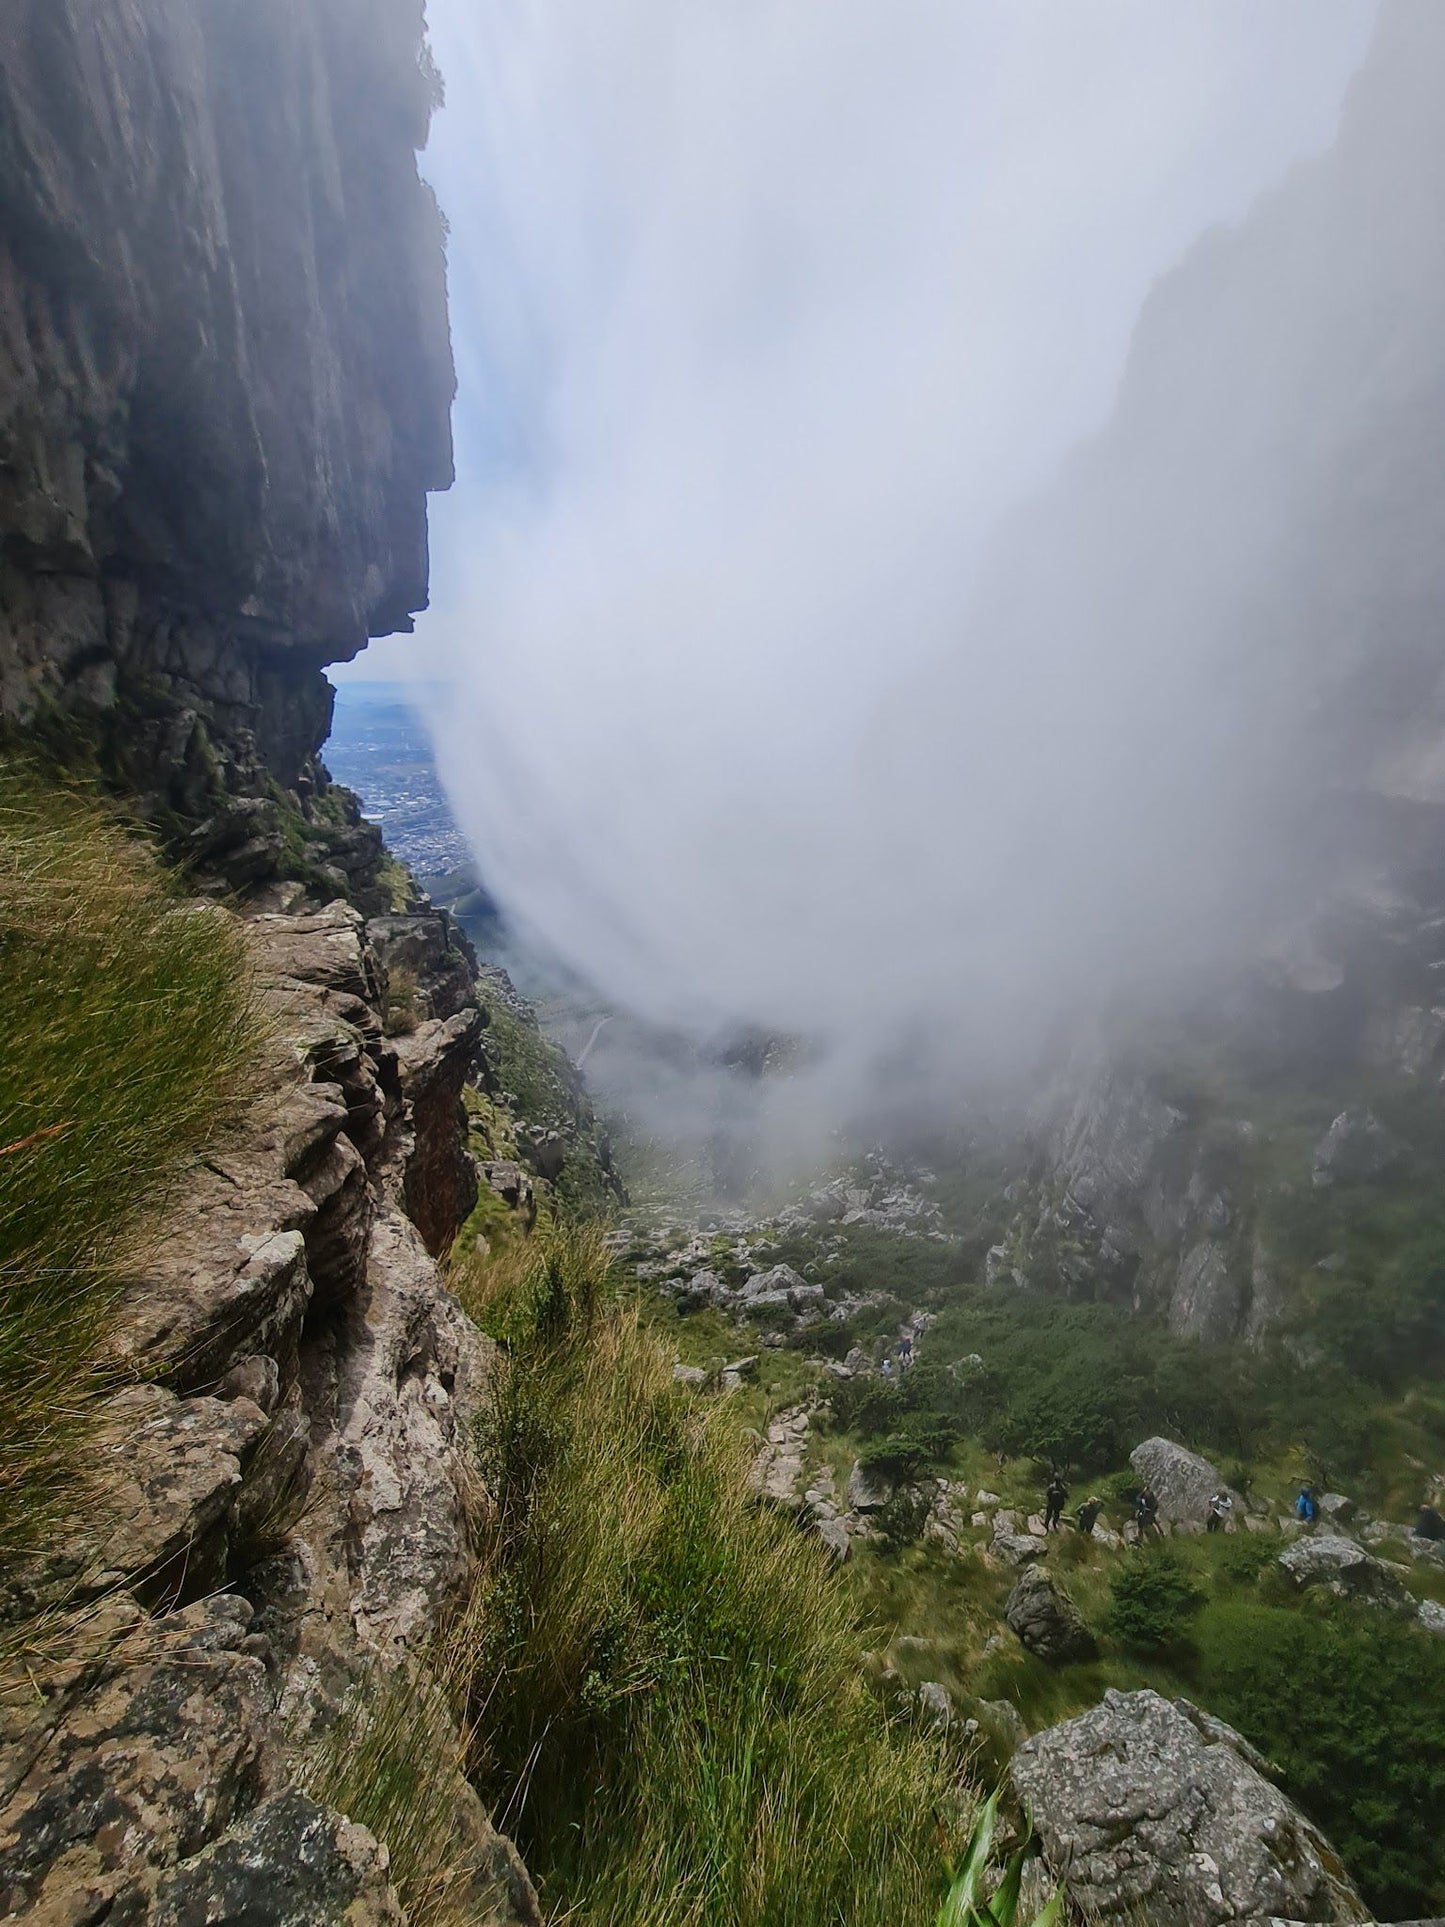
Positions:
(1304, 1506)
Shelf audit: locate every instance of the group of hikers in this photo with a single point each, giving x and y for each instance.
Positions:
(1429, 1525)
(1146, 1509)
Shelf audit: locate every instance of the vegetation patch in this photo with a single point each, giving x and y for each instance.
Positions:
(671, 1688)
(132, 1037)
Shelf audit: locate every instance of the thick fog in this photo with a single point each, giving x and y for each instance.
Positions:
(781, 688)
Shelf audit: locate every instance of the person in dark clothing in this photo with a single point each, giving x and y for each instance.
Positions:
(1087, 1516)
(1217, 1513)
(1429, 1525)
(1056, 1497)
(1146, 1512)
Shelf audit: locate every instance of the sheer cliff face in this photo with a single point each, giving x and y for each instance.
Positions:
(225, 369)
(1261, 532)
(1236, 590)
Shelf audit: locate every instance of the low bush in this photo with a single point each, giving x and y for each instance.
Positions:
(667, 1681)
(1152, 1602)
(1350, 1707)
(131, 1036)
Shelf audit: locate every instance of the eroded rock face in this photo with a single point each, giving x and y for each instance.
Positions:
(439, 1180)
(356, 1395)
(1156, 1811)
(225, 375)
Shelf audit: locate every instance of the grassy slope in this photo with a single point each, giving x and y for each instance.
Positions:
(1355, 1720)
(131, 1037)
(671, 1690)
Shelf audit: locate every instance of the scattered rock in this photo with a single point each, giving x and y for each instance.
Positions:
(836, 1537)
(934, 1703)
(1154, 1811)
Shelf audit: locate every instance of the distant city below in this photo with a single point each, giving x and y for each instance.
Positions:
(380, 747)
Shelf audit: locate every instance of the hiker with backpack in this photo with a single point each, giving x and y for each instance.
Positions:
(1056, 1497)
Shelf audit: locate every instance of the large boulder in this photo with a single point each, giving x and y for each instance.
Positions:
(1184, 1482)
(1046, 1620)
(1339, 1566)
(1154, 1811)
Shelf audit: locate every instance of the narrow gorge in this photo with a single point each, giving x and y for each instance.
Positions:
(450, 1481)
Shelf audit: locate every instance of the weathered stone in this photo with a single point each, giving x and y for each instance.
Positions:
(868, 1491)
(1154, 1811)
(290, 1863)
(439, 1181)
(172, 1474)
(1183, 1481)
(1331, 1564)
(1046, 1620)
(836, 1537)
(431, 953)
(395, 1455)
(131, 1761)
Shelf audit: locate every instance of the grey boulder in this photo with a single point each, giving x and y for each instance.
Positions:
(1046, 1619)
(1154, 1811)
(1184, 1482)
(1346, 1570)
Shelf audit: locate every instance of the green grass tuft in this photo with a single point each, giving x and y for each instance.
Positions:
(669, 1680)
(130, 1033)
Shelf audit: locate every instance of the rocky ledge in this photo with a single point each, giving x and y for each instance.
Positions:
(291, 1491)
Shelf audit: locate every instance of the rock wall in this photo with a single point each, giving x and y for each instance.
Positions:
(225, 387)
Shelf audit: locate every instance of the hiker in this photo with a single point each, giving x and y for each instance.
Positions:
(1218, 1512)
(905, 1351)
(1146, 1513)
(1087, 1516)
(1429, 1525)
(887, 1368)
(1304, 1506)
(1056, 1495)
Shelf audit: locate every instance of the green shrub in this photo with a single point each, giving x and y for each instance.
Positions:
(668, 1682)
(1350, 1707)
(1152, 1601)
(131, 1037)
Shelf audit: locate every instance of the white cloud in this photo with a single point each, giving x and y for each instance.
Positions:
(766, 315)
